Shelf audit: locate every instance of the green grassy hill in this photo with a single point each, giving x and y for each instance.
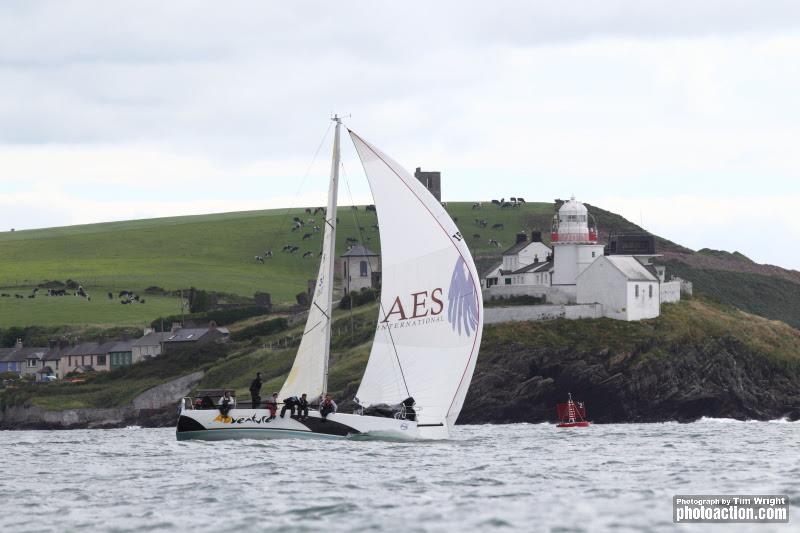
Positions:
(216, 253)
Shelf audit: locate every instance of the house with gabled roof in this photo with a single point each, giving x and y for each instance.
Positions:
(525, 263)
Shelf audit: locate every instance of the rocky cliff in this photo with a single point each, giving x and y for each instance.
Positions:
(695, 361)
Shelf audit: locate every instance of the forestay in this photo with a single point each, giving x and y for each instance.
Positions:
(431, 314)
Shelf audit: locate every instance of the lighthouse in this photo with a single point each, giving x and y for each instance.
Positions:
(574, 240)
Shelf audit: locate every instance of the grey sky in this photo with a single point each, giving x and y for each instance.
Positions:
(680, 114)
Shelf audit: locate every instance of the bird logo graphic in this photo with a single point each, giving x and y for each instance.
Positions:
(462, 304)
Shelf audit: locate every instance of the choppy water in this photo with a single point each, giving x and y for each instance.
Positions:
(515, 477)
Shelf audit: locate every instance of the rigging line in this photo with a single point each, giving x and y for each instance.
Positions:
(369, 259)
(280, 228)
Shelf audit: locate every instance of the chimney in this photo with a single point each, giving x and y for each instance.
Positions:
(521, 237)
(175, 327)
(536, 236)
(148, 331)
(18, 344)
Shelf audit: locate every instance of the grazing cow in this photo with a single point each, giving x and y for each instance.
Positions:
(286, 247)
(505, 204)
(498, 226)
(308, 254)
(476, 205)
(371, 207)
(306, 236)
(316, 228)
(520, 200)
(259, 259)
(293, 249)
(110, 296)
(268, 253)
(18, 296)
(31, 296)
(141, 301)
(483, 223)
(513, 200)
(494, 243)
(476, 236)
(502, 200)
(496, 202)
(5, 295)
(319, 210)
(308, 210)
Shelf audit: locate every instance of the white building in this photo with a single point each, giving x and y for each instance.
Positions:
(575, 246)
(625, 283)
(627, 289)
(525, 263)
(149, 345)
(359, 266)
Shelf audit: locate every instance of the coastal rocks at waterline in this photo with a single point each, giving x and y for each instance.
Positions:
(716, 377)
(155, 407)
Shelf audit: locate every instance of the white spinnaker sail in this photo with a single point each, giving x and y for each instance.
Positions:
(431, 316)
(309, 372)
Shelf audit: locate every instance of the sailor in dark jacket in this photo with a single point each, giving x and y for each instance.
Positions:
(302, 407)
(255, 391)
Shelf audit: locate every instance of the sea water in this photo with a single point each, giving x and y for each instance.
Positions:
(520, 477)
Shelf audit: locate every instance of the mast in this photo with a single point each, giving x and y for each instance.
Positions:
(330, 215)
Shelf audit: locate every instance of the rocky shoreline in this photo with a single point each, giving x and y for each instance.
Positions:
(713, 377)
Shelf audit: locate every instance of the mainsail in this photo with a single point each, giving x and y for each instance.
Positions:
(431, 314)
(309, 372)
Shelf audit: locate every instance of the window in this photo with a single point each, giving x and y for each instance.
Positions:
(31, 363)
(593, 254)
(508, 281)
(363, 267)
(651, 291)
(101, 360)
(636, 288)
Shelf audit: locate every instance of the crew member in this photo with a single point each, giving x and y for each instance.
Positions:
(302, 407)
(272, 405)
(327, 406)
(289, 403)
(255, 391)
(226, 403)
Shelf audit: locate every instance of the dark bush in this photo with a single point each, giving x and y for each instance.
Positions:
(222, 317)
(364, 296)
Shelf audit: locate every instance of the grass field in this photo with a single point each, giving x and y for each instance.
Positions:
(211, 252)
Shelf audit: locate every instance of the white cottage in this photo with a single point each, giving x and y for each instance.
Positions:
(525, 263)
(626, 288)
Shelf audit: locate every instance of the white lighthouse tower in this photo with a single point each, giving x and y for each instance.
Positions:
(574, 240)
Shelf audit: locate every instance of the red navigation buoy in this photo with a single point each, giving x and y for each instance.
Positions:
(571, 414)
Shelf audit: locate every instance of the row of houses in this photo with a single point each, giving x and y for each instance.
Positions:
(62, 357)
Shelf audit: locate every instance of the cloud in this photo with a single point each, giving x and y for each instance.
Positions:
(139, 108)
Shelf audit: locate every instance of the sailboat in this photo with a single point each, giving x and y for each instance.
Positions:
(428, 333)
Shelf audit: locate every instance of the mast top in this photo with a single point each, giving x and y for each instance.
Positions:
(337, 119)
